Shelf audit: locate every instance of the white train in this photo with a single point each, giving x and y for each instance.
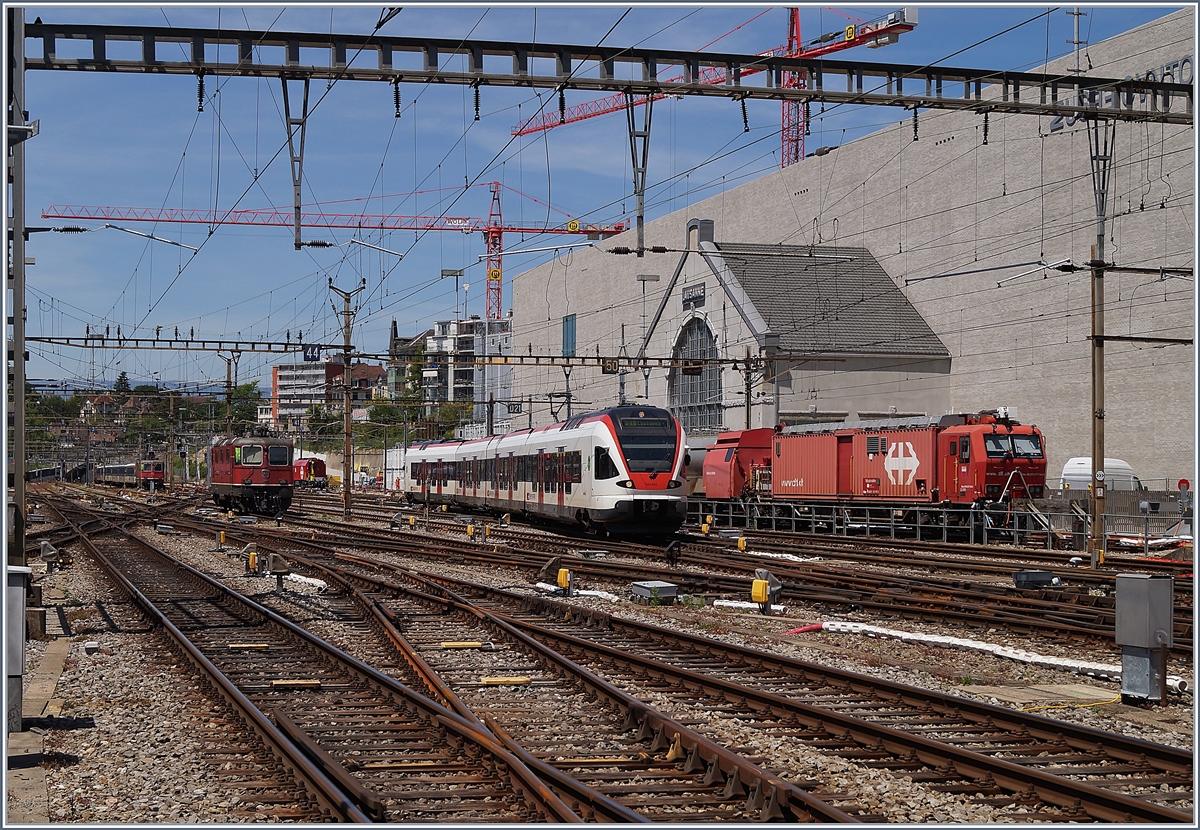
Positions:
(620, 471)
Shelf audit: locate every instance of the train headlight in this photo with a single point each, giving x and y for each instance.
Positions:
(993, 489)
(625, 483)
(673, 483)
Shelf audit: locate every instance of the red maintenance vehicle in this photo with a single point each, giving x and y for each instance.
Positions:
(252, 475)
(976, 462)
(310, 473)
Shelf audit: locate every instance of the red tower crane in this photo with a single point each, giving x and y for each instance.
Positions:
(493, 228)
(881, 31)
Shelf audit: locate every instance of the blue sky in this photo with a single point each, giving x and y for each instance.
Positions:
(138, 141)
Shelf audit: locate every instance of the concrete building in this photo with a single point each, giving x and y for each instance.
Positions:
(449, 374)
(984, 242)
(296, 387)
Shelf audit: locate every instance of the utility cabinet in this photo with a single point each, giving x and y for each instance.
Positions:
(1144, 631)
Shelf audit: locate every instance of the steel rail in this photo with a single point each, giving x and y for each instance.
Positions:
(532, 787)
(328, 794)
(943, 599)
(770, 794)
(599, 803)
(1098, 802)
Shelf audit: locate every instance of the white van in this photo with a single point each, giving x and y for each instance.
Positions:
(1118, 475)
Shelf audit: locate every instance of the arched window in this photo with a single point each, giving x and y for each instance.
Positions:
(696, 399)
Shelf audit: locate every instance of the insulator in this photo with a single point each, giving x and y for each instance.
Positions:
(807, 116)
(396, 96)
(620, 249)
(915, 136)
(71, 229)
(562, 106)
(476, 103)
(985, 128)
(200, 92)
(658, 249)
(745, 118)
(317, 243)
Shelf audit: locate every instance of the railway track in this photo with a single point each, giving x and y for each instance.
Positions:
(1061, 613)
(364, 746)
(1057, 771)
(762, 689)
(572, 726)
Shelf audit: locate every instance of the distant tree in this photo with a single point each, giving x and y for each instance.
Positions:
(121, 387)
(324, 427)
(246, 398)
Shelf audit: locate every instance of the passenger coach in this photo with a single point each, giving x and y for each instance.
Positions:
(619, 471)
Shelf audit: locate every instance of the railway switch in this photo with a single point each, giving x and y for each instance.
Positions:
(470, 531)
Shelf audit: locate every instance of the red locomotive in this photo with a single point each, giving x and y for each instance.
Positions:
(150, 475)
(253, 475)
(310, 473)
(982, 460)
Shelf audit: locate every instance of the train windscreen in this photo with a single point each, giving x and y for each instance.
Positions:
(1000, 445)
(277, 455)
(647, 441)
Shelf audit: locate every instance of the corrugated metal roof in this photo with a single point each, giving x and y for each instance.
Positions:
(830, 299)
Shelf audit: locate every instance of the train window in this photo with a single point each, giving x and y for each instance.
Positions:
(252, 455)
(964, 450)
(278, 455)
(729, 454)
(954, 448)
(1027, 446)
(605, 467)
(997, 445)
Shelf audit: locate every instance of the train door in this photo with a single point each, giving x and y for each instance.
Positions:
(541, 476)
(845, 452)
(560, 459)
(948, 449)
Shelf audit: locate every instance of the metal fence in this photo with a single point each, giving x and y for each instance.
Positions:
(1139, 521)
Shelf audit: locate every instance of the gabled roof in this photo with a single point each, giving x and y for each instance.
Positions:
(830, 300)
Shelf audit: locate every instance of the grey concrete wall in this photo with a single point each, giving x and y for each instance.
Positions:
(946, 204)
